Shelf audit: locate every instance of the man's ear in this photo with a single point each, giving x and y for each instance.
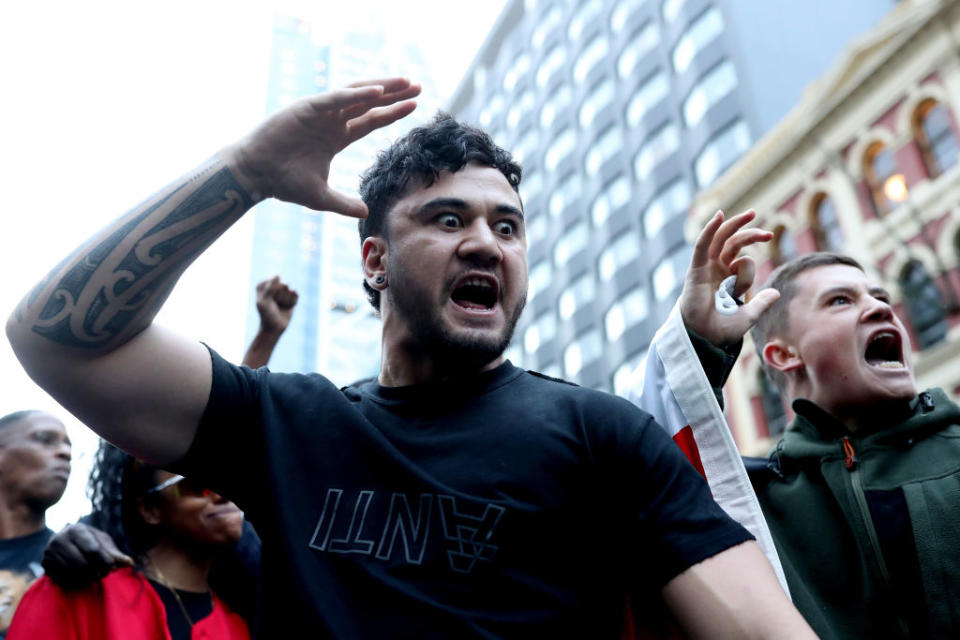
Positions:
(374, 257)
(782, 356)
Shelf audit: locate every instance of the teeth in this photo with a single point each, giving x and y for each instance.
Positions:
(477, 282)
(890, 364)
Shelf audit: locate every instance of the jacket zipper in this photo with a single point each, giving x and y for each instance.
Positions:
(851, 462)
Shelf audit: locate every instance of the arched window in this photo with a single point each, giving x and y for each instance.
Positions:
(924, 304)
(772, 404)
(825, 225)
(878, 165)
(783, 247)
(935, 138)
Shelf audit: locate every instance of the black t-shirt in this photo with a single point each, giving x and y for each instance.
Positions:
(19, 567)
(502, 504)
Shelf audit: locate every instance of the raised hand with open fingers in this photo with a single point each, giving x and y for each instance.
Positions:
(288, 157)
(716, 256)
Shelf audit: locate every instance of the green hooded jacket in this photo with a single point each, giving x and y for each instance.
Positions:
(817, 492)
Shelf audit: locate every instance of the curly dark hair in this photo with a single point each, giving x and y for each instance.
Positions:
(417, 159)
(118, 482)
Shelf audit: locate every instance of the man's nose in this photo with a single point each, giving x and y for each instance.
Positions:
(878, 310)
(480, 244)
(64, 451)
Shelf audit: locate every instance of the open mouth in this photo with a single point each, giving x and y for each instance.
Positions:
(885, 350)
(476, 293)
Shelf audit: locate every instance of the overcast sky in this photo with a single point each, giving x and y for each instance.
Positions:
(105, 102)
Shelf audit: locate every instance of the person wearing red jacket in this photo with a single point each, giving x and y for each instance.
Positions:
(172, 529)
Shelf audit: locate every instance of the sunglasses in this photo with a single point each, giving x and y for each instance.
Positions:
(182, 486)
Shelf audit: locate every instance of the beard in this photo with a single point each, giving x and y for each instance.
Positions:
(464, 349)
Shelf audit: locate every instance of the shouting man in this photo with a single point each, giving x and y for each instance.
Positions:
(456, 495)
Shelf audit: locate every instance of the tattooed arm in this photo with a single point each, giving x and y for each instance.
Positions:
(85, 332)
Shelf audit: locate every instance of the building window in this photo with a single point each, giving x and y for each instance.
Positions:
(543, 329)
(562, 146)
(526, 146)
(783, 247)
(537, 228)
(641, 44)
(614, 195)
(582, 18)
(623, 376)
(698, 35)
(520, 108)
(592, 54)
(491, 111)
(555, 105)
(825, 224)
(673, 200)
(605, 147)
(923, 303)
(668, 275)
(572, 242)
(602, 95)
(655, 150)
(622, 12)
(565, 194)
(547, 24)
(713, 87)
(620, 253)
(671, 9)
(540, 276)
(935, 137)
(531, 186)
(878, 165)
(579, 294)
(551, 63)
(516, 71)
(625, 313)
(582, 352)
(654, 89)
(722, 150)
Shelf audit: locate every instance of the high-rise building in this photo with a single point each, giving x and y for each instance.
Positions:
(287, 238)
(620, 111)
(334, 329)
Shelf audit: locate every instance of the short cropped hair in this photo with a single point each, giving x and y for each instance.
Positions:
(16, 416)
(776, 320)
(416, 160)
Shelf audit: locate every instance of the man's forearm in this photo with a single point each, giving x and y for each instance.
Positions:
(112, 286)
(261, 348)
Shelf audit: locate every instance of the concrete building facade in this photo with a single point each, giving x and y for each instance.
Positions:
(620, 111)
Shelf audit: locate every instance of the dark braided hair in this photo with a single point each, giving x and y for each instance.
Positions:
(118, 484)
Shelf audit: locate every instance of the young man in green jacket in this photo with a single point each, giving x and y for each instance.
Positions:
(862, 495)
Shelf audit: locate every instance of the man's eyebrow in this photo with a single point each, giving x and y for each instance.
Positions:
(459, 204)
(832, 291)
(879, 292)
(443, 203)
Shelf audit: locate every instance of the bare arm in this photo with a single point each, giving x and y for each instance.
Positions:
(275, 303)
(85, 333)
(735, 595)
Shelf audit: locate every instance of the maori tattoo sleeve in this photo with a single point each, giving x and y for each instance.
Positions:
(110, 289)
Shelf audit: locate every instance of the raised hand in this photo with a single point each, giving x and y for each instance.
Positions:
(716, 256)
(288, 156)
(275, 303)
